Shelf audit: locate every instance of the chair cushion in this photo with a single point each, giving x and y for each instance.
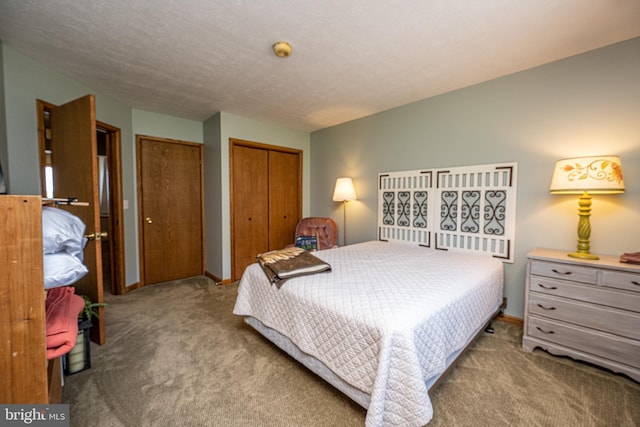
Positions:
(325, 228)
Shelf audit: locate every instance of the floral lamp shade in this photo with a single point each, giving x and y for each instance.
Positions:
(595, 175)
(586, 176)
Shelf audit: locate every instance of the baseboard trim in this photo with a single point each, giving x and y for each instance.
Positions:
(217, 279)
(131, 287)
(212, 276)
(513, 320)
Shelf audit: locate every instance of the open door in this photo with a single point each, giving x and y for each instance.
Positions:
(75, 175)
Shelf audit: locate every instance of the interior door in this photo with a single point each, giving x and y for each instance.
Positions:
(75, 175)
(250, 207)
(170, 195)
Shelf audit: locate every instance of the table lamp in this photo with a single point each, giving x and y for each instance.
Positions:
(586, 176)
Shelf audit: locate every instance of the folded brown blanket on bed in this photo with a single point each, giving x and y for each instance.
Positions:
(630, 257)
(283, 264)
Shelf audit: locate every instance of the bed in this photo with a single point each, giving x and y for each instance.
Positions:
(392, 315)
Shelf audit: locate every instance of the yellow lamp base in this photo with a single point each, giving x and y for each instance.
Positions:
(583, 255)
(584, 229)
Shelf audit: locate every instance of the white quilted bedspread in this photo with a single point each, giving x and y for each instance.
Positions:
(385, 319)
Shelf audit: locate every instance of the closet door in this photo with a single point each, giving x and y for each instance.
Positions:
(284, 197)
(266, 200)
(250, 205)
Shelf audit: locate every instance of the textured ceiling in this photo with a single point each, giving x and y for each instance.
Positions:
(351, 58)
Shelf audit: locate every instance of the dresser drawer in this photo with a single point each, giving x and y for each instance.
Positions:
(601, 344)
(574, 273)
(588, 293)
(606, 319)
(621, 280)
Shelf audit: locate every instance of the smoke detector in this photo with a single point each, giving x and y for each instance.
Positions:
(282, 49)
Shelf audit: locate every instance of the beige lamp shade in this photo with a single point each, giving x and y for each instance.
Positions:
(344, 190)
(594, 175)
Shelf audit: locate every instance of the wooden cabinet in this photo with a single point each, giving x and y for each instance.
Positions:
(587, 310)
(266, 200)
(23, 362)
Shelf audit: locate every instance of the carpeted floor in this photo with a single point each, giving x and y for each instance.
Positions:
(176, 356)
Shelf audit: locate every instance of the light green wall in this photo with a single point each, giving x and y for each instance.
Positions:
(163, 126)
(213, 196)
(25, 80)
(588, 104)
(158, 125)
(232, 126)
(584, 105)
(4, 162)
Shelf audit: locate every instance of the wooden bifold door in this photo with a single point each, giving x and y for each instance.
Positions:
(266, 199)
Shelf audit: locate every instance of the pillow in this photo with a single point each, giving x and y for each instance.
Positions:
(62, 232)
(62, 269)
(308, 243)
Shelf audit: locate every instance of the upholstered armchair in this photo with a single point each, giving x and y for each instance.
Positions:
(325, 229)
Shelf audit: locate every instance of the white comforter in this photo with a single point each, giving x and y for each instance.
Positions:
(385, 319)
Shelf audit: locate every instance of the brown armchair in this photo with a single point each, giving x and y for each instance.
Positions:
(325, 228)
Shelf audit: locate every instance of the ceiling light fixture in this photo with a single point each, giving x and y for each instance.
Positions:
(282, 49)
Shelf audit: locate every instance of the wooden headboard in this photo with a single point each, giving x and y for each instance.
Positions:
(469, 208)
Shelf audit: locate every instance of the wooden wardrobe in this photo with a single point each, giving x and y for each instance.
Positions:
(23, 361)
(266, 199)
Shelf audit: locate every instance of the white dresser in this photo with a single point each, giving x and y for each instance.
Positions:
(588, 310)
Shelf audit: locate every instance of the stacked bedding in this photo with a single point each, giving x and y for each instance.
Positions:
(63, 245)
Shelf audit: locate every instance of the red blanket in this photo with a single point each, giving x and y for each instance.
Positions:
(63, 308)
(630, 257)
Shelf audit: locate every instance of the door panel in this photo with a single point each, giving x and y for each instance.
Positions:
(250, 195)
(284, 198)
(115, 226)
(75, 174)
(266, 200)
(171, 209)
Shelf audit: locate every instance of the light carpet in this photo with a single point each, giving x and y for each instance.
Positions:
(176, 356)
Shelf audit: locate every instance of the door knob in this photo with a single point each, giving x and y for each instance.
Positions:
(97, 236)
(148, 220)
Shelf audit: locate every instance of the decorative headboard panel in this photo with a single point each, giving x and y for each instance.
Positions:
(469, 208)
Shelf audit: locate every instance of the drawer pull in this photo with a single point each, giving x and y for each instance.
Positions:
(560, 272)
(546, 308)
(543, 331)
(550, 288)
